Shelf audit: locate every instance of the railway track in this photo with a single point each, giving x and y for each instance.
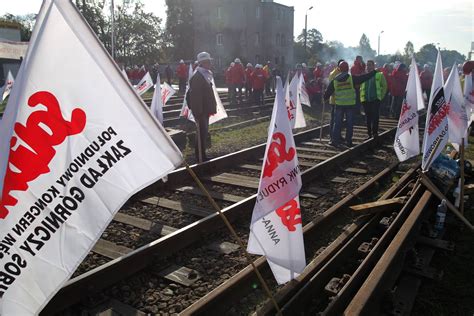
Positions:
(148, 243)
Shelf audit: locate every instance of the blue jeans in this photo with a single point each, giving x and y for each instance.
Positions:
(348, 111)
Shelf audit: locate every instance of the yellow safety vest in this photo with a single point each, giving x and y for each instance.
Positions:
(380, 87)
(344, 92)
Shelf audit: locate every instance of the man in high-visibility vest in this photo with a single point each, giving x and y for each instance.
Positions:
(345, 99)
(372, 92)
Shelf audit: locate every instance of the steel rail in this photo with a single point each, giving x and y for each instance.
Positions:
(123, 267)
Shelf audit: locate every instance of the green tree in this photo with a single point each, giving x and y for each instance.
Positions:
(364, 48)
(25, 22)
(408, 52)
(427, 54)
(179, 28)
(451, 57)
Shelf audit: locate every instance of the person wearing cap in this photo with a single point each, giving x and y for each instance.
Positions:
(426, 79)
(238, 79)
(182, 74)
(372, 92)
(343, 88)
(248, 81)
(202, 102)
(259, 77)
(357, 69)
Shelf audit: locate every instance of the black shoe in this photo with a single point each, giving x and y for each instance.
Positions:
(349, 144)
(333, 143)
(368, 137)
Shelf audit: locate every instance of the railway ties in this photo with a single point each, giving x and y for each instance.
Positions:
(181, 217)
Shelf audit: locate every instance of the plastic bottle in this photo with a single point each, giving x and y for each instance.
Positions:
(440, 217)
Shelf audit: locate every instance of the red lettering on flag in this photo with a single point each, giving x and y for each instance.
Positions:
(32, 164)
(277, 154)
(438, 118)
(290, 215)
(405, 108)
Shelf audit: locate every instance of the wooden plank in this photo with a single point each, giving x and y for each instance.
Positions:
(314, 144)
(317, 150)
(217, 195)
(356, 170)
(379, 206)
(251, 167)
(144, 224)
(312, 157)
(110, 250)
(339, 180)
(234, 179)
(317, 190)
(178, 206)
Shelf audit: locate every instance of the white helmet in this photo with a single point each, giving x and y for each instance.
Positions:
(249, 65)
(203, 56)
(237, 61)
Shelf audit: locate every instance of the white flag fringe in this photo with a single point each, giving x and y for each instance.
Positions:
(293, 103)
(458, 115)
(276, 228)
(145, 84)
(7, 87)
(407, 142)
(72, 151)
(436, 127)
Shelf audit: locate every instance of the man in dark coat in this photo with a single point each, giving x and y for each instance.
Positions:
(202, 102)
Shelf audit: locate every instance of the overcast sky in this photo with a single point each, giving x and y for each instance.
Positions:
(447, 22)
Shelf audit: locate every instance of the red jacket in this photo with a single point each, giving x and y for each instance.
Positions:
(318, 73)
(399, 82)
(258, 79)
(237, 74)
(182, 71)
(248, 76)
(227, 74)
(426, 79)
(357, 69)
(388, 77)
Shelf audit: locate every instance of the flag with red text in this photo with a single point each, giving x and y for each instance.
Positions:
(145, 84)
(185, 110)
(407, 142)
(276, 230)
(458, 115)
(304, 96)
(220, 110)
(436, 127)
(72, 151)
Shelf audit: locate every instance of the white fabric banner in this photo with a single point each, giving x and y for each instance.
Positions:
(72, 151)
(167, 92)
(7, 88)
(145, 84)
(304, 97)
(469, 97)
(276, 227)
(124, 73)
(293, 103)
(458, 115)
(407, 139)
(220, 110)
(157, 101)
(436, 127)
(185, 110)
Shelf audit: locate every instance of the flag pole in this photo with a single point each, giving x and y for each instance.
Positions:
(322, 123)
(239, 240)
(461, 191)
(198, 140)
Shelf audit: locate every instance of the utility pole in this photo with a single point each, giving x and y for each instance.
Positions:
(378, 47)
(306, 27)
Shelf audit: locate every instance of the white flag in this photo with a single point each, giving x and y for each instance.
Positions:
(469, 97)
(457, 117)
(220, 110)
(276, 229)
(293, 103)
(407, 142)
(157, 101)
(72, 151)
(8, 86)
(185, 110)
(124, 73)
(304, 97)
(436, 127)
(167, 92)
(145, 84)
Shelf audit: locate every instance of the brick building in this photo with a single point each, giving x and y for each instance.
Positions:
(253, 30)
